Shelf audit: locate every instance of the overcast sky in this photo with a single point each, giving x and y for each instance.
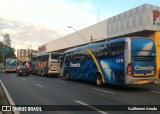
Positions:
(35, 22)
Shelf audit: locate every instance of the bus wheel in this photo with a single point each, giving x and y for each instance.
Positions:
(99, 80)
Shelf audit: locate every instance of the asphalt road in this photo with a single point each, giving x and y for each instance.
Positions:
(37, 90)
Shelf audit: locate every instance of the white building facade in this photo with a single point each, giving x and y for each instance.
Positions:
(139, 21)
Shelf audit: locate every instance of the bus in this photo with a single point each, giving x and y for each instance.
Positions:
(118, 61)
(45, 64)
(11, 65)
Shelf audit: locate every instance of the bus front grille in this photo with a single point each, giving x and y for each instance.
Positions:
(143, 58)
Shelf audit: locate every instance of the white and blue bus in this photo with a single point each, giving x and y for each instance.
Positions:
(118, 61)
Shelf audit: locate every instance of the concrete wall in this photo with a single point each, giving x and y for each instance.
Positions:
(132, 21)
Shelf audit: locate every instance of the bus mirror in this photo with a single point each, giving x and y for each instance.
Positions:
(59, 59)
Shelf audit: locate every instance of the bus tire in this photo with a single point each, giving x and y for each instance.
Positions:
(99, 81)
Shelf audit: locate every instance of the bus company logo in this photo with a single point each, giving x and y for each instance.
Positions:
(137, 67)
(156, 17)
(75, 65)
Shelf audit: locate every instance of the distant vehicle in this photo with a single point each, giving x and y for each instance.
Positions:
(22, 71)
(27, 65)
(1, 66)
(46, 64)
(11, 65)
(119, 61)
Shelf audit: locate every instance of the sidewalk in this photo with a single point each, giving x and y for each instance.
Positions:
(158, 81)
(4, 100)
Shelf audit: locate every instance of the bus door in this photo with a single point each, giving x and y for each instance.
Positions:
(61, 61)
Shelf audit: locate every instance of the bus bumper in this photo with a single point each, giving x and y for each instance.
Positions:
(10, 70)
(141, 80)
(53, 72)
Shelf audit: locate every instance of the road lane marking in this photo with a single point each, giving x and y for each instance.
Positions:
(155, 92)
(91, 107)
(103, 91)
(60, 81)
(39, 85)
(23, 79)
(8, 96)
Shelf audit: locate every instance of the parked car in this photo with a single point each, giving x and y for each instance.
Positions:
(22, 71)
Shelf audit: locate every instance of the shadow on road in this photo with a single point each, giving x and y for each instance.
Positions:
(128, 88)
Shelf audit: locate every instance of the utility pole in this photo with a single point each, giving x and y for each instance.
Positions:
(91, 39)
(29, 52)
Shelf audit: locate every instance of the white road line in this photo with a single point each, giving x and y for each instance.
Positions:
(23, 79)
(103, 91)
(8, 96)
(96, 109)
(155, 92)
(60, 81)
(39, 85)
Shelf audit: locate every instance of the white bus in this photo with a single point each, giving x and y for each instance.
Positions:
(46, 64)
(11, 65)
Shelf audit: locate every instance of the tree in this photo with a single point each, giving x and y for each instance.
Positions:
(9, 52)
(7, 40)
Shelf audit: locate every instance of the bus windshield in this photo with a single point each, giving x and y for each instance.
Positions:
(55, 55)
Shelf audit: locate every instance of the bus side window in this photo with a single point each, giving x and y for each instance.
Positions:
(93, 51)
(46, 57)
(102, 52)
(76, 55)
(69, 57)
(117, 48)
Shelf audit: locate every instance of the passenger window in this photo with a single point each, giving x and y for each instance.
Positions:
(117, 48)
(68, 57)
(102, 52)
(80, 55)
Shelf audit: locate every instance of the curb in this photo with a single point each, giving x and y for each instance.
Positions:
(11, 102)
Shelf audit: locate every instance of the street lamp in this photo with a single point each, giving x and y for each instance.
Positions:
(29, 52)
(78, 33)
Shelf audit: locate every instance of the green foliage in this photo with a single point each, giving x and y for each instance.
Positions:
(9, 54)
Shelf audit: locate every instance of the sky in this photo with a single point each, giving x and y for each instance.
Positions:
(31, 23)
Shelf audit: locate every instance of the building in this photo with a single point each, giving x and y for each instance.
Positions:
(143, 21)
(26, 54)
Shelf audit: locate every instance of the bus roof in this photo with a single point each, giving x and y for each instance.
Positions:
(104, 42)
(46, 54)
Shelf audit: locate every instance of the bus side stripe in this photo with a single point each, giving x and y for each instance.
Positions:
(97, 64)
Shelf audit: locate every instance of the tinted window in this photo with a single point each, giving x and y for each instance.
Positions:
(102, 52)
(93, 51)
(44, 58)
(55, 56)
(80, 55)
(68, 57)
(117, 48)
